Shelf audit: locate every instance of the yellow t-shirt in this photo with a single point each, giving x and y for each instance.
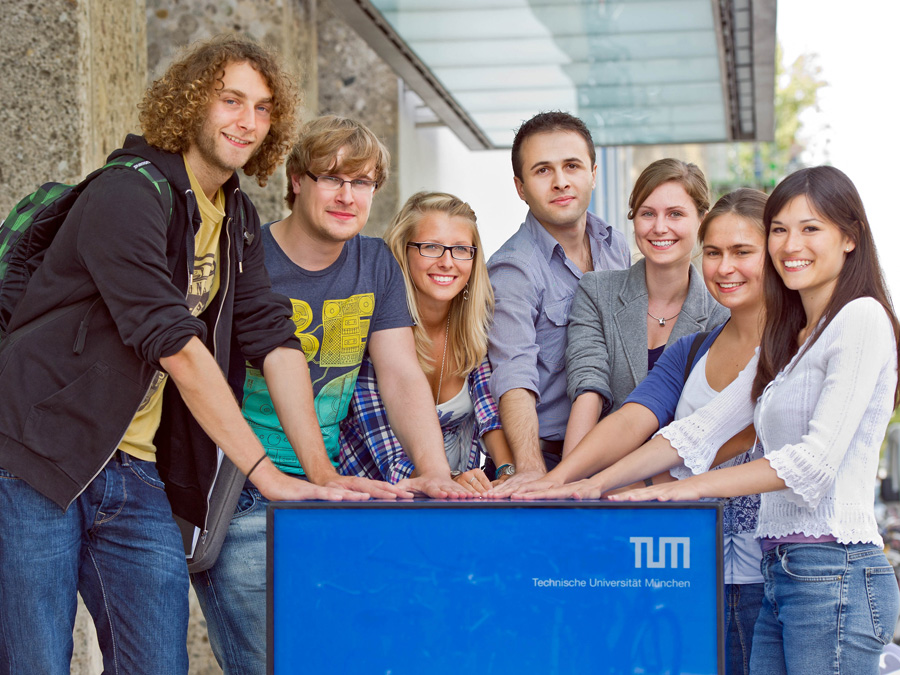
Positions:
(138, 440)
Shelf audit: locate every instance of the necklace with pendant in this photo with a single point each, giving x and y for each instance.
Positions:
(661, 320)
(443, 357)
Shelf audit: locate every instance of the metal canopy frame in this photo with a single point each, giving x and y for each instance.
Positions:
(745, 40)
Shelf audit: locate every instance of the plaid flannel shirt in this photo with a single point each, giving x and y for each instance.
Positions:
(368, 445)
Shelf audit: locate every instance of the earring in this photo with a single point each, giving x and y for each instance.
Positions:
(466, 292)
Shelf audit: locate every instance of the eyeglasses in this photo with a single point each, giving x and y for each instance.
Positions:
(332, 183)
(430, 250)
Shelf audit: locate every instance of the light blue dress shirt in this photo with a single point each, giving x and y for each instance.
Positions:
(534, 283)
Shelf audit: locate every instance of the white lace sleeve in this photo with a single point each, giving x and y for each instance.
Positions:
(858, 352)
(698, 437)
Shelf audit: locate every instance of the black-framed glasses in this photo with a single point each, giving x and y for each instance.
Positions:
(360, 186)
(431, 250)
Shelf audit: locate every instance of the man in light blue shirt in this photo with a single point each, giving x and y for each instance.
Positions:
(534, 275)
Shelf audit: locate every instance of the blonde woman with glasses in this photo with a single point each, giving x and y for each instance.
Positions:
(435, 239)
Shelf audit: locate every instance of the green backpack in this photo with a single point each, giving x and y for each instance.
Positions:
(29, 229)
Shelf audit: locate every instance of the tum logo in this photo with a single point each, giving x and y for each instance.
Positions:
(642, 544)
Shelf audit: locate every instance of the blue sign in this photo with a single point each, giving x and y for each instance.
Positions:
(495, 587)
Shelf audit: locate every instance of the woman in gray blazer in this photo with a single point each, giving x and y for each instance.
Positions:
(621, 320)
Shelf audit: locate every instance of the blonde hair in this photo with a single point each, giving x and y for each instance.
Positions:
(319, 143)
(469, 319)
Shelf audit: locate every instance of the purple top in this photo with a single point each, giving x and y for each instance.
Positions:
(653, 355)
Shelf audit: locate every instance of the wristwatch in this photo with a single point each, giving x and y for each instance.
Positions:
(454, 474)
(505, 470)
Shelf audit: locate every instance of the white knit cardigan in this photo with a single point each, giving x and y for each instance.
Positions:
(821, 422)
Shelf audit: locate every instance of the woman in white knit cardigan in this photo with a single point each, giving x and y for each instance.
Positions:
(820, 393)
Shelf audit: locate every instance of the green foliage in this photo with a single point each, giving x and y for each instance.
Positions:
(895, 418)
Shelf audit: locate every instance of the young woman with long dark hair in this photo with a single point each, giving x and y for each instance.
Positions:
(820, 394)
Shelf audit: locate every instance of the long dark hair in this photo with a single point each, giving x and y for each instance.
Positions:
(833, 197)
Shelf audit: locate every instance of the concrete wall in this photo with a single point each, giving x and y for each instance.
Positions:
(72, 74)
(355, 82)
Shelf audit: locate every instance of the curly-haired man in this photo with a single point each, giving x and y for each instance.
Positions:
(159, 297)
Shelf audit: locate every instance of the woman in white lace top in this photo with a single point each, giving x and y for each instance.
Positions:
(820, 393)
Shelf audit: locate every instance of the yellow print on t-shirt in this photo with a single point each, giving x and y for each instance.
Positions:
(302, 317)
(202, 283)
(345, 327)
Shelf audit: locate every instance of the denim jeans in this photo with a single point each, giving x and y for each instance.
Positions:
(232, 593)
(742, 603)
(117, 545)
(828, 608)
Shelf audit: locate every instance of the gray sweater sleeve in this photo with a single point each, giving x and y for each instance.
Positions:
(587, 352)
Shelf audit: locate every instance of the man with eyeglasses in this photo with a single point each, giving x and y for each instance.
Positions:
(534, 276)
(349, 301)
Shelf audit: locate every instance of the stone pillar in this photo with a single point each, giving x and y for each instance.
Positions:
(113, 62)
(73, 73)
(355, 82)
(86, 657)
(287, 26)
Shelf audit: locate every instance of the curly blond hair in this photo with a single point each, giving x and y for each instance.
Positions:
(174, 106)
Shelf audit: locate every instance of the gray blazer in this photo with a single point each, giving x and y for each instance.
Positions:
(607, 335)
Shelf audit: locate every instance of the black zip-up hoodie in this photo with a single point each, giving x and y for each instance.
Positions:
(113, 285)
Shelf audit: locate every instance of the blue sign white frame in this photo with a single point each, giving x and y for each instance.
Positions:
(404, 588)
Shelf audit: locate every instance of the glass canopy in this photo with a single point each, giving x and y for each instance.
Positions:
(636, 71)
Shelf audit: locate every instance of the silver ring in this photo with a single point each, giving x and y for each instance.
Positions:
(471, 479)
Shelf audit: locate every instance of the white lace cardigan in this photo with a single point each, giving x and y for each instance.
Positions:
(821, 422)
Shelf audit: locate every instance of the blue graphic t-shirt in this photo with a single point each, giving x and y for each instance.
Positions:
(335, 311)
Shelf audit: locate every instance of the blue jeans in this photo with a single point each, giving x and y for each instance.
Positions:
(232, 593)
(828, 608)
(742, 603)
(119, 547)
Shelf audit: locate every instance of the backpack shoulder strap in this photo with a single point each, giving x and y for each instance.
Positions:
(692, 354)
(34, 222)
(149, 171)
